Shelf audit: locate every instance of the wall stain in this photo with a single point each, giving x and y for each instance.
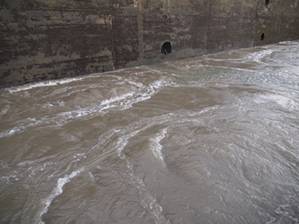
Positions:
(42, 39)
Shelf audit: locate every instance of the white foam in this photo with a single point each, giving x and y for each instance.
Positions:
(78, 157)
(20, 128)
(58, 190)
(137, 84)
(148, 201)
(155, 145)
(258, 56)
(227, 67)
(123, 141)
(106, 104)
(288, 42)
(10, 132)
(42, 84)
(283, 101)
(122, 102)
(9, 179)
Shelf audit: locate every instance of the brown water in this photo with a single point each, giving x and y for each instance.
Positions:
(212, 139)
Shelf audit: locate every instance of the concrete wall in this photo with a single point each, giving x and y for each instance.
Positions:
(46, 39)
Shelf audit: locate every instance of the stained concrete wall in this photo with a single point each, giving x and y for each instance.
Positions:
(46, 39)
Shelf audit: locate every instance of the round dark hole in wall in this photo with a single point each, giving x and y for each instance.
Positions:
(166, 48)
(267, 2)
(262, 36)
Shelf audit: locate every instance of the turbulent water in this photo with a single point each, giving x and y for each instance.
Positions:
(212, 139)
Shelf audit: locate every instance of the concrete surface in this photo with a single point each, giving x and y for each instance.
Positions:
(47, 39)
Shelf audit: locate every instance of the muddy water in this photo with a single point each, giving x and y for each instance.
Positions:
(212, 139)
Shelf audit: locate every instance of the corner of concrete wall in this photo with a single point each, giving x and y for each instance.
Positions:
(277, 21)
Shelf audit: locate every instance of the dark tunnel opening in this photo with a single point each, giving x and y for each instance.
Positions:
(166, 48)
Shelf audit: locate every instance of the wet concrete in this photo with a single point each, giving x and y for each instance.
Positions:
(41, 40)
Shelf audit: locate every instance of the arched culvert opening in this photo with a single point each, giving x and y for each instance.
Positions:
(267, 2)
(166, 48)
(262, 36)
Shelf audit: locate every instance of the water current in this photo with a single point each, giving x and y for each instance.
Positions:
(211, 139)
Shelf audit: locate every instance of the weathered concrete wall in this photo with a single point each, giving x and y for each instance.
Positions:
(45, 39)
(278, 21)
